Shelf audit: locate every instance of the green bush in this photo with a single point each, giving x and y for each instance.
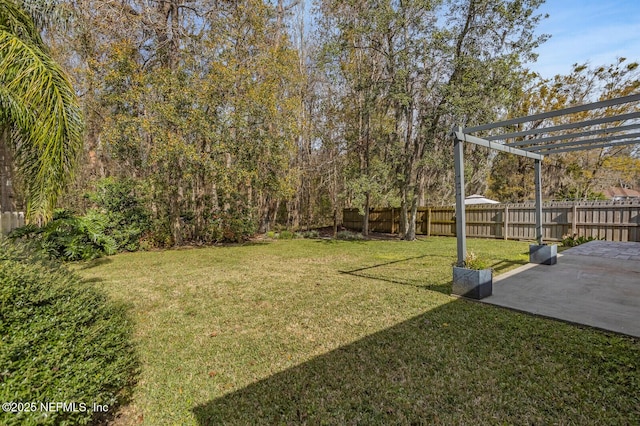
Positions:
(286, 235)
(574, 240)
(159, 236)
(69, 237)
(349, 236)
(127, 220)
(116, 223)
(62, 342)
(472, 261)
(232, 226)
(309, 234)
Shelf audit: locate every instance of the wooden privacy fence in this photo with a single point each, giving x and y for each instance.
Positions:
(612, 221)
(10, 221)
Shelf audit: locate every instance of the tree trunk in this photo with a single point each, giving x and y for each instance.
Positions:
(334, 199)
(175, 206)
(175, 223)
(268, 210)
(273, 217)
(404, 219)
(411, 230)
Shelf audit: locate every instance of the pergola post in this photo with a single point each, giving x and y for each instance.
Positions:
(538, 177)
(461, 234)
(476, 284)
(540, 253)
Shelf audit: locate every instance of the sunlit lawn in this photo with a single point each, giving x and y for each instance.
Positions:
(326, 332)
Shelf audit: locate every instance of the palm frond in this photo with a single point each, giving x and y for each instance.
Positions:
(41, 107)
(46, 13)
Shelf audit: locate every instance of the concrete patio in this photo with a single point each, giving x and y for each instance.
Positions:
(595, 284)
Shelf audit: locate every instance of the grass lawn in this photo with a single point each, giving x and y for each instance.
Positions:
(336, 332)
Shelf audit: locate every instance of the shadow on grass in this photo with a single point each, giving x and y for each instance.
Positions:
(92, 280)
(444, 288)
(441, 287)
(385, 264)
(249, 243)
(95, 262)
(332, 241)
(505, 265)
(391, 239)
(460, 363)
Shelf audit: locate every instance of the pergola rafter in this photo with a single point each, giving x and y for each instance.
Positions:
(591, 141)
(611, 129)
(561, 137)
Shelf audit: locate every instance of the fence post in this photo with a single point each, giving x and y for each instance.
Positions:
(429, 222)
(574, 221)
(393, 220)
(506, 222)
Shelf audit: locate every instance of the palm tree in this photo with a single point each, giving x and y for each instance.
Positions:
(40, 119)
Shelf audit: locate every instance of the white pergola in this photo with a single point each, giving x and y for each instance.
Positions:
(608, 130)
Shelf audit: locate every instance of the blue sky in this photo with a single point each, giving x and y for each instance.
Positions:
(593, 31)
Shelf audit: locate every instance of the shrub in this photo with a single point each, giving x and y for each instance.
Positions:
(313, 233)
(159, 236)
(234, 226)
(126, 218)
(349, 236)
(286, 235)
(62, 341)
(116, 222)
(472, 261)
(574, 240)
(69, 237)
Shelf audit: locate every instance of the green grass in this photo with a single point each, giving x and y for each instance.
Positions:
(354, 332)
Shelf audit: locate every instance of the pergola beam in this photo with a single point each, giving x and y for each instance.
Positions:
(459, 135)
(587, 147)
(567, 126)
(564, 137)
(556, 113)
(585, 142)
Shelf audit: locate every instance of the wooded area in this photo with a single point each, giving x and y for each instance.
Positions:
(225, 118)
(611, 221)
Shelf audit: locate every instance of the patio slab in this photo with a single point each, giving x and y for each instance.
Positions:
(595, 284)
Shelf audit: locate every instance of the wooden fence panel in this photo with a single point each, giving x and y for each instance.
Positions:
(613, 221)
(351, 219)
(443, 221)
(621, 223)
(10, 221)
(485, 220)
(422, 221)
(380, 220)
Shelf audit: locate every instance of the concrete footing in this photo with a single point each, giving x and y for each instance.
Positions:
(472, 283)
(543, 254)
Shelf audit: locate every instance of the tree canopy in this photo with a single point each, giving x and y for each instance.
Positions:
(244, 116)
